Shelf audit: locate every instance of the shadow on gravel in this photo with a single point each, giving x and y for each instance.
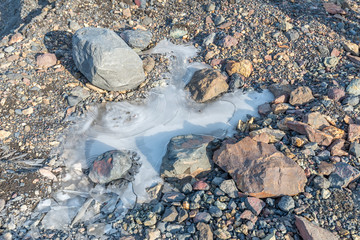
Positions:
(10, 15)
(345, 25)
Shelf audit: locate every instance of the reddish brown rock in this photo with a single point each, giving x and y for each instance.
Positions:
(281, 99)
(297, 126)
(326, 168)
(248, 215)
(46, 60)
(310, 231)
(229, 41)
(336, 148)
(201, 185)
(316, 120)
(336, 94)
(312, 134)
(264, 109)
(254, 204)
(279, 90)
(332, 8)
(243, 67)
(17, 37)
(206, 84)
(259, 170)
(300, 96)
(262, 137)
(353, 132)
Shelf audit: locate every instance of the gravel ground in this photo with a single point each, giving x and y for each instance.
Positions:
(35, 111)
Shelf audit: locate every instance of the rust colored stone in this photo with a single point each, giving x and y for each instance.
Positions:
(259, 170)
(310, 231)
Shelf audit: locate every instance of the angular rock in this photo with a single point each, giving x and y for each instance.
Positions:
(17, 37)
(335, 132)
(343, 175)
(215, 211)
(281, 108)
(259, 170)
(137, 38)
(46, 60)
(229, 41)
(353, 132)
(286, 203)
(113, 165)
(206, 84)
(275, 135)
(173, 197)
(353, 48)
(186, 156)
(281, 90)
(254, 204)
(312, 134)
(264, 109)
(354, 87)
(4, 134)
(311, 231)
(354, 59)
(355, 149)
(183, 215)
(170, 214)
(249, 215)
(336, 94)
(321, 182)
(229, 187)
(106, 60)
(326, 168)
(222, 234)
(204, 231)
(243, 67)
(316, 120)
(300, 96)
(202, 217)
(336, 148)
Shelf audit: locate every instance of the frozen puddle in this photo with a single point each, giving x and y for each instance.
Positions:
(144, 128)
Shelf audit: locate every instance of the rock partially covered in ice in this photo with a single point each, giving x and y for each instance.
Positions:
(137, 38)
(259, 169)
(186, 156)
(206, 84)
(106, 60)
(113, 165)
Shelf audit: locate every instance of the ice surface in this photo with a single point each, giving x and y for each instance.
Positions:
(146, 129)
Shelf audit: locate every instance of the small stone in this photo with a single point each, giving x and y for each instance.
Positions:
(355, 149)
(354, 59)
(219, 19)
(215, 211)
(335, 132)
(332, 8)
(326, 168)
(243, 67)
(336, 94)
(300, 96)
(321, 182)
(48, 174)
(137, 39)
(74, 25)
(285, 26)
(353, 132)
(9, 49)
(205, 232)
(249, 215)
(201, 185)
(343, 175)
(148, 64)
(354, 87)
(229, 187)
(170, 214)
(126, 13)
(254, 204)
(178, 32)
(2, 204)
(202, 217)
(325, 193)
(151, 221)
(286, 203)
(331, 62)
(336, 148)
(187, 188)
(222, 234)
(309, 230)
(229, 41)
(17, 37)
(236, 81)
(46, 60)
(281, 108)
(4, 134)
(264, 109)
(206, 84)
(316, 120)
(352, 48)
(275, 135)
(299, 140)
(183, 215)
(292, 35)
(209, 39)
(170, 197)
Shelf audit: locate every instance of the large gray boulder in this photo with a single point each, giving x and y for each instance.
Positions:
(106, 60)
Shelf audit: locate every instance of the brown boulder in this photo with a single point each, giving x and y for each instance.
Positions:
(259, 170)
(206, 84)
(300, 96)
(310, 231)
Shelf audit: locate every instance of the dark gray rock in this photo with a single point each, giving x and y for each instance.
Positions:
(286, 203)
(183, 215)
(321, 182)
(292, 35)
(173, 197)
(106, 60)
(170, 214)
(202, 217)
(215, 211)
(137, 38)
(355, 149)
(186, 156)
(343, 175)
(229, 187)
(113, 165)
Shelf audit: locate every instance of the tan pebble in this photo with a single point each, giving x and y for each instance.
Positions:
(27, 128)
(28, 111)
(4, 134)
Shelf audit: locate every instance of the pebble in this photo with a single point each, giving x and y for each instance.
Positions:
(354, 87)
(286, 203)
(9, 49)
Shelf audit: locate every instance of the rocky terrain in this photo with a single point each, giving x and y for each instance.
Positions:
(290, 172)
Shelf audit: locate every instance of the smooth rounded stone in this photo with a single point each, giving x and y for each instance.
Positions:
(244, 68)
(351, 100)
(354, 87)
(137, 38)
(286, 203)
(300, 96)
(106, 60)
(206, 84)
(186, 156)
(170, 214)
(222, 234)
(215, 211)
(113, 165)
(229, 187)
(292, 35)
(321, 182)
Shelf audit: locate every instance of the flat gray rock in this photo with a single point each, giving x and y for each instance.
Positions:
(106, 60)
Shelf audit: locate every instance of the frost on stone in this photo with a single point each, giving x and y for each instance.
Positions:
(146, 129)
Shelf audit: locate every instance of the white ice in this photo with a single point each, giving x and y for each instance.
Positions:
(147, 128)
